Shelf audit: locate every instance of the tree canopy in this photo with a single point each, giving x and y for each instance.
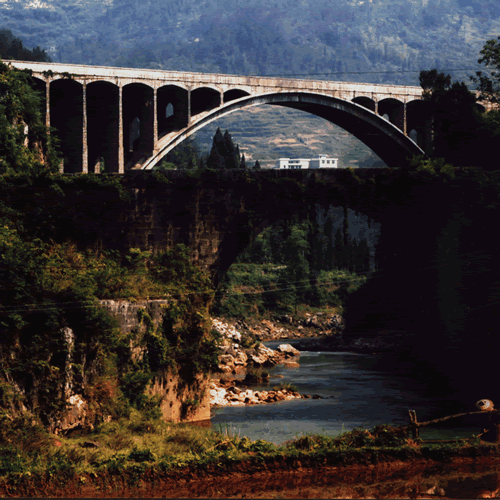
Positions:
(25, 145)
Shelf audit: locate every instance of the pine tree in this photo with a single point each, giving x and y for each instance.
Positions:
(229, 151)
(216, 159)
(243, 163)
(257, 166)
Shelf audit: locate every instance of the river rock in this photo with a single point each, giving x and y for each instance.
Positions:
(288, 350)
(285, 318)
(226, 359)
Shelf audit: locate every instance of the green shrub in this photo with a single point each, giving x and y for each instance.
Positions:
(140, 456)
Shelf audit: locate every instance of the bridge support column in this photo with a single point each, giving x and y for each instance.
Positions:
(47, 106)
(121, 162)
(85, 151)
(189, 107)
(404, 120)
(155, 120)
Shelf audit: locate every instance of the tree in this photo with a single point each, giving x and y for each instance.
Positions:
(243, 163)
(257, 165)
(489, 86)
(456, 119)
(216, 158)
(12, 48)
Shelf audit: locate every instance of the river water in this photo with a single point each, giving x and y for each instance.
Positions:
(358, 390)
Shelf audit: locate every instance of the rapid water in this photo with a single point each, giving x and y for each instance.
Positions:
(358, 390)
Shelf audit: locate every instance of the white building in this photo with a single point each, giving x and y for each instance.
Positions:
(321, 161)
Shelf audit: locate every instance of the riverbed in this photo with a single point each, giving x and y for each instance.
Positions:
(357, 390)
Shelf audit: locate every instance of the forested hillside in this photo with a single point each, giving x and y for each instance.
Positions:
(373, 40)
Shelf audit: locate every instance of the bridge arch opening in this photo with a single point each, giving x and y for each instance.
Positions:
(395, 111)
(138, 121)
(233, 94)
(173, 118)
(103, 115)
(365, 102)
(134, 134)
(419, 120)
(66, 116)
(41, 87)
(204, 99)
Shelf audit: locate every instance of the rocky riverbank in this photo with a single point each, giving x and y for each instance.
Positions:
(240, 350)
(231, 392)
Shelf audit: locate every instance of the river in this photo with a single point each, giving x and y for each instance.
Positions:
(358, 390)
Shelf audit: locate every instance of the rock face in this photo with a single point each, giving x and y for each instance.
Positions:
(284, 327)
(179, 401)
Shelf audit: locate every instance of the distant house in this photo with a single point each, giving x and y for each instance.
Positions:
(321, 161)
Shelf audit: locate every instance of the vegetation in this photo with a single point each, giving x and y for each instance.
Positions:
(13, 48)
(123, 453)
(24, 143)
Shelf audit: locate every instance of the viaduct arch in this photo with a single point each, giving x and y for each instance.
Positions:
(126, 119)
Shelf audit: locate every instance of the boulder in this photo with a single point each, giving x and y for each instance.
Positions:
(226, 359)
(288, 350)
(241, 359)
(285, 318)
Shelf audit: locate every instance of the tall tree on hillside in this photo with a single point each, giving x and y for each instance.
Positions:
(257, 165)
(456, 118)
(216, 158)
(489, 85)
(229, 152)
(243, 163)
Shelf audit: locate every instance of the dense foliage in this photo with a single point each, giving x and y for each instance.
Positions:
(463, 135)
(24, 143)
(50, 311)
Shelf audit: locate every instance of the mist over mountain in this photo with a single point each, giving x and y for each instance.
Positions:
(378, 41)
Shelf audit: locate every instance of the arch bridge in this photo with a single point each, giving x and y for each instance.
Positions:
(127, 119)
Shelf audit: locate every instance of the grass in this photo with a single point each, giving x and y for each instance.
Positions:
(141, 449)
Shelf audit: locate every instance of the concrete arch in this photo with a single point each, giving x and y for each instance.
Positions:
(103, 111)
(137, 102)
(177, 97)
(231, 95)
(204, 99)
(394, 109)
(366, 102)
(384, 138)
(66, 116)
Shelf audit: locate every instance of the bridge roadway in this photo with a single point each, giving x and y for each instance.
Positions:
(123, 118)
